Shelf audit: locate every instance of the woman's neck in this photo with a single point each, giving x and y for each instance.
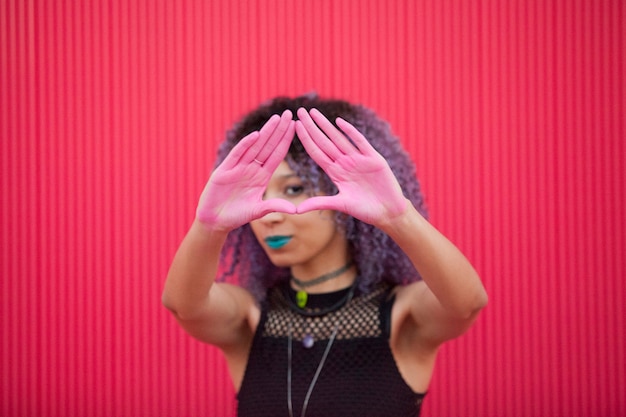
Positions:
(321, 280)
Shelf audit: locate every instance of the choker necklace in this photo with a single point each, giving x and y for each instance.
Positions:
(302, 296)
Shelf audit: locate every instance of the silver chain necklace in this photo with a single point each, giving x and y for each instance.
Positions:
(317, 372)
(343, 302)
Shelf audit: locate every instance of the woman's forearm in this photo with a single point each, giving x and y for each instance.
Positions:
(446, 271)
(193, 270)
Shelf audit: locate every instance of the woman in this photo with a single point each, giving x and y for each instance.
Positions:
(345, 290)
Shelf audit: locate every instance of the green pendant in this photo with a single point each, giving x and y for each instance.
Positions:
(301, 298)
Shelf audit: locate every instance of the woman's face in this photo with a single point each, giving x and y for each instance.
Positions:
(298, 239)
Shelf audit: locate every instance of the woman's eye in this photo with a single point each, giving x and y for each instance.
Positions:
(294, 190)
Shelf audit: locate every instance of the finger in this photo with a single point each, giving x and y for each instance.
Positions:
(278, 153)
(275, 205)
(234, 156)
(311, 147)
(338, 138)
(264, 134)
(317, 136)
(278, 136)
(361, 143)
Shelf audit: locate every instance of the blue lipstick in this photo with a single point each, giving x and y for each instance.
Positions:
(277, 242)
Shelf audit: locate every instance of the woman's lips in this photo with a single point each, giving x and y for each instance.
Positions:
(277, 242)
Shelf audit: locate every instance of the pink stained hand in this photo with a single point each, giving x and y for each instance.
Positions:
(233, 196)
(368, 190)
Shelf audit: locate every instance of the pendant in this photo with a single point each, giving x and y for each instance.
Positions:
(301, 298)
(308, 341)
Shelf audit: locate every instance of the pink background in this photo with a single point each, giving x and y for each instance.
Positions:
(110, 112)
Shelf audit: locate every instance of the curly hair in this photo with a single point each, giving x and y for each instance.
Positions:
(375, 254)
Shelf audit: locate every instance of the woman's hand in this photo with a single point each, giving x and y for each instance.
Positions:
(233, 195)
(368, 190)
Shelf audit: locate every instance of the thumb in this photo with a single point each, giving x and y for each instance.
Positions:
(276, 205)
(320, 203)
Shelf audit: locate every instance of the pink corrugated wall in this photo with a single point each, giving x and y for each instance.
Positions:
(110, 112)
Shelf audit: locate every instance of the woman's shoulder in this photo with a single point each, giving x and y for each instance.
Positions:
(409, 290)
(405, 297)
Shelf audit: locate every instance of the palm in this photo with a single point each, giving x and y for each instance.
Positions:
(360, 181)
(234, 194)
(368, 190)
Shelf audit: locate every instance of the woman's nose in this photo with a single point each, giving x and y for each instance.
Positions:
(272, 217)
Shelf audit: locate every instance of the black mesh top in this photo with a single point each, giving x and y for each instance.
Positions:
(359, 376)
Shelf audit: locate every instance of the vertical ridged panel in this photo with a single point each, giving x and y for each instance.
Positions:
(110, 114)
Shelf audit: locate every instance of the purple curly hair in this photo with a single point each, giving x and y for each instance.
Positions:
(375, 254)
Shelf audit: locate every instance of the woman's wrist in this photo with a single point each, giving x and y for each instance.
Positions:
(202, 239)
(206, 229)
(403, 222)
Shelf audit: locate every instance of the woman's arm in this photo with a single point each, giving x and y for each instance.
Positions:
(210, 312)
(233, 196)
(451, 295)
(193, 270)
(447, 301)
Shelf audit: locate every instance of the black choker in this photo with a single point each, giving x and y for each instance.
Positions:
(315, 311)
(302, 296)
(323, 278)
